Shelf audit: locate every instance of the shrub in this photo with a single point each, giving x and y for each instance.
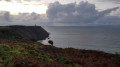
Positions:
(77, 65)
(5, 56)
(32, 39)
(63, 60)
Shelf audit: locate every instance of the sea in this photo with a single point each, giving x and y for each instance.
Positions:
(101, 38)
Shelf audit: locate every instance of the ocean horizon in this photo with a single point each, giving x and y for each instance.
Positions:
(102, 38)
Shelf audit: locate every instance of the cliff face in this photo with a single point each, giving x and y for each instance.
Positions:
(28, 32)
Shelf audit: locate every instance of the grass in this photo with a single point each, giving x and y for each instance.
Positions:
(4, 28)
(26, 53)
(7, 34)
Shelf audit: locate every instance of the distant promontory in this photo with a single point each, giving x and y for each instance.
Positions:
(28, 32)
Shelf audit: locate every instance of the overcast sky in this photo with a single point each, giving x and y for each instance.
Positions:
(60, 12)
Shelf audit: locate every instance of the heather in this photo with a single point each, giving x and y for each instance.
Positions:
(27, 53)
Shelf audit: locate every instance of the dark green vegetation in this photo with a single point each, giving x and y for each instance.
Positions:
(6, 32)
(4, 27)
(33, 33)
(26, 53)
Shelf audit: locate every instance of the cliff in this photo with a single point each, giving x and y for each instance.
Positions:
(26, 32)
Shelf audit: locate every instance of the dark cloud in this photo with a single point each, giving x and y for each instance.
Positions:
(83, 13)
(108, 20)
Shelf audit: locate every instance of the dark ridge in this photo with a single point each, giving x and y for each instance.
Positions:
(27, 32)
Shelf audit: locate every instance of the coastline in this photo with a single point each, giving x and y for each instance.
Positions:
(93, 38)
(24, 52)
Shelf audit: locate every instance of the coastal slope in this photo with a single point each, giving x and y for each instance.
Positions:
(25, 53)
(27, 32)
(18, 49)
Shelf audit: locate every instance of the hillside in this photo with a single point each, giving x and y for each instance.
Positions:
(18, 49)
(25, 53)
(27, 32)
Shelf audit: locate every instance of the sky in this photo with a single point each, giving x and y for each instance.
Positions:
(60, 12)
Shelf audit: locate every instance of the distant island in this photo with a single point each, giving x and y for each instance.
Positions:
(18, 48)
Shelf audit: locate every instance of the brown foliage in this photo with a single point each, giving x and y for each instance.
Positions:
(58, 57)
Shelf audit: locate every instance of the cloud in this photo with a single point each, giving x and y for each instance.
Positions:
(32, 0)
(23, 19)
(108, 20)
(8, 0)
(4, 18)
(83, 13)
(115, 13)
(20, 1)
(72, 14)
(7, 16)
(109, 0)
(118, 3)
(29, 19)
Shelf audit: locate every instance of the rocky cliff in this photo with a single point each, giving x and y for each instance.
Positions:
(28, 32)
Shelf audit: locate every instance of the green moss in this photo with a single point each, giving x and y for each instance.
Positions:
(38, 48)
(50, 60)
(5, 56)
(4, 47)
(18, 50)
(63, 60)
(77, 65)
(7, 53)
(33, 52)
(22, 44)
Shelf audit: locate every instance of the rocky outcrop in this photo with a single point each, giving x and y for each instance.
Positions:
(28, 32)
